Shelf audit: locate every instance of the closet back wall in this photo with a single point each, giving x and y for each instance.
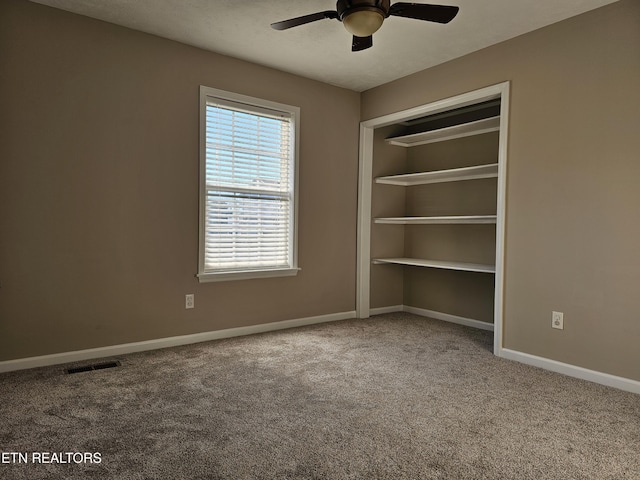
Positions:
(465, 294)
(99, 188)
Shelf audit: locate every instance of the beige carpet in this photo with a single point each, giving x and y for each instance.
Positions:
(392, 397)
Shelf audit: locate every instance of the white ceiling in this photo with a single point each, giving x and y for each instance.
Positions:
(322, 50)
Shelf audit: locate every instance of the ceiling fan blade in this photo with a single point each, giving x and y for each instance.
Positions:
(361, 43)
(294, 22)
(421, 11)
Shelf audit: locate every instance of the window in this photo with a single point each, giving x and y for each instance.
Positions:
(248, 195)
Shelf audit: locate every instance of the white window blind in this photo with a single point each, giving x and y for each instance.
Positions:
(249, 191)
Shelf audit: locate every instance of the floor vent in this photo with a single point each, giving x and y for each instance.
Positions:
(94, 366)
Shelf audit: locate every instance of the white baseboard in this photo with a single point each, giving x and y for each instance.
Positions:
(620, 383)
(447, 317)
(573, 371)
(423, 312)
(383, 310)
(110, 351)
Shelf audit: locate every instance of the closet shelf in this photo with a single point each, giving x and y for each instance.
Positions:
(477, 127)
(446, 265)
(450, 219)
(439, 176)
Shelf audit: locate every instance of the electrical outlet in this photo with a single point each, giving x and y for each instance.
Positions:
(189, 300)
(557, 320)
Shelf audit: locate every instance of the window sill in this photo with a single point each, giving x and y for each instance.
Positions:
(246, 275)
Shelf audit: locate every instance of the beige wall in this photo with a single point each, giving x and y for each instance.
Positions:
(99, 188)
(98, 175)
(573, 215)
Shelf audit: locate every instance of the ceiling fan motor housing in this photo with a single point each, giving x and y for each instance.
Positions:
(347, 7)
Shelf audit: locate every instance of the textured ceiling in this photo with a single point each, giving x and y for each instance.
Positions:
(322, 50)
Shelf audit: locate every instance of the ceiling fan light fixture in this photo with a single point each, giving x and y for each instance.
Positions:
(363, 23)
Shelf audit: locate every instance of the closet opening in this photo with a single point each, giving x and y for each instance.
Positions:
(431, 211)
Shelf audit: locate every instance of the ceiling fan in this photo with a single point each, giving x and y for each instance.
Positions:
(362, 18)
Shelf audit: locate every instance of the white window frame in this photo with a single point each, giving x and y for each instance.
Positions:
(257, 105)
